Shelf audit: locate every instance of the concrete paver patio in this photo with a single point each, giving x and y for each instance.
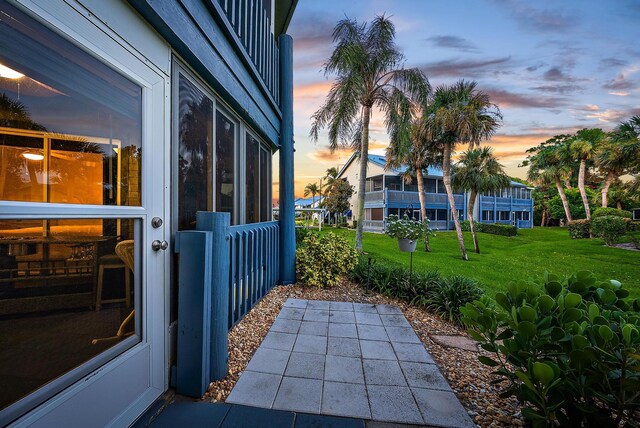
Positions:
(348, 359)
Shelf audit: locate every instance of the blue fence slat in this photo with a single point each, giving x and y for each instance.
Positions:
(194, 309)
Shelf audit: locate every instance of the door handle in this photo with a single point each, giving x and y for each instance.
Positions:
(158, 245)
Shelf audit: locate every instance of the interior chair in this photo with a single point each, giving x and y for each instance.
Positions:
(125, 251)
(115, 261)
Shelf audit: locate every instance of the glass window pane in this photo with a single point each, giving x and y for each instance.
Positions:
(195, 154)
(252, 209)
(225, 164)
(68, 289)
(70, 127)
(265, 200)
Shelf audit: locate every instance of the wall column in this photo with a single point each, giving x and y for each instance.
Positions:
(287, 209)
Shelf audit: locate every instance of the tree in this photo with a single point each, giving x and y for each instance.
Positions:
(583, 148)
(312, 189)
(547, 165)
(479, 171)
(337, 197)
(332, 178)
(459, 114)
(369, 73)
(417, 153)
(619, 154)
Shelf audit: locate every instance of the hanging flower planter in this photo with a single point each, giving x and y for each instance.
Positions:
(406, 231)
(407, 245)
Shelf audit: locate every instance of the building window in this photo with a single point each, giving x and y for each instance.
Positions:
(430, 185)
(431, 214)
(487, 215)
(504, 215)
(440, 187)
(441, 215)
(225, 164)
(257, 181)
(195, 153)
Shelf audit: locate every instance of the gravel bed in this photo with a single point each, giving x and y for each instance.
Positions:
(466, 375)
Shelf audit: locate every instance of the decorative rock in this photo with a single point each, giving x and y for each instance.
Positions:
(459, 342)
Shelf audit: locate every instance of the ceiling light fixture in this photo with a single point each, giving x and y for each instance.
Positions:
(9, 73)
(33, 156)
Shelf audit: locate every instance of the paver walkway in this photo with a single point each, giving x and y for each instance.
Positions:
(348, 359)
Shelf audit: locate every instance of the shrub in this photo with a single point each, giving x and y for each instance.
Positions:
(499, 229)
(605, 211)
(301, 233)
(323, 259)
(354, 224)
(465, 226)
(404, 228)
(453, 293)
(427, 289)
(568, 349)
(579, 229)
(632, 225)
(609, 227)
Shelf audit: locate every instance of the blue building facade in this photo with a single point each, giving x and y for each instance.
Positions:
(388, 193)
(119, 121)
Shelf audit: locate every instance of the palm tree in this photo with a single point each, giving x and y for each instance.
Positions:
(331, 176)
(583, 148)
(369, 73)
(313, 190)
(417, 154)
(547, 165)
(459, 114)
(618, 154)
(478, 171)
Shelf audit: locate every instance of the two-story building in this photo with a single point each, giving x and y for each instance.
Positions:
(387, 192)
(119, 120)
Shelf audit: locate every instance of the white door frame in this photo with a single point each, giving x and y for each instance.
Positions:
(121, 389)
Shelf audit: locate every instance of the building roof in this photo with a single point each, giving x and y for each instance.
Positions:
(381, 161)
(306, 202)
(283, 13)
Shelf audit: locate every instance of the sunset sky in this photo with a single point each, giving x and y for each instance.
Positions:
(552, 67)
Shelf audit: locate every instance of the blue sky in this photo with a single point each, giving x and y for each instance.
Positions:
(551, 66)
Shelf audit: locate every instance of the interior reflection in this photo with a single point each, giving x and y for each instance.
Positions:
(70, 133)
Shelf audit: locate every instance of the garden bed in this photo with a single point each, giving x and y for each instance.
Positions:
(466, 375)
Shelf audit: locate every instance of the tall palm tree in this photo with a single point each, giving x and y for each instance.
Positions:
(459, 114)
(478, 171)
(417, 153)
(331, 176)
(312, 189)
(619, 154)
(547, 165)
(369, 74)
(584, 148)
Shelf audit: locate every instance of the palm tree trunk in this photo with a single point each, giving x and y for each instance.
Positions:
(563, 198)
(605, 188)
(423, 207)
(362, 179)
(472, 202)
(583, 193)
(446, 179)
(619, 204)
(544, 217)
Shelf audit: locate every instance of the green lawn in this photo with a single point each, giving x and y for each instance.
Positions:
(503, 259)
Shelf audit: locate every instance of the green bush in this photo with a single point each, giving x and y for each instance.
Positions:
(427, 289)
(579, 229)
(609, 227)
(568, 349)
(465, 226)
(453, 293)
(301, 233)
(632, 225)
(605, 211)
(499, 229)
(321, 260)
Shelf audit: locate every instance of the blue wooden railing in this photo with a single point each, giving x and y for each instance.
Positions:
(223, 272)
(254, 253)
